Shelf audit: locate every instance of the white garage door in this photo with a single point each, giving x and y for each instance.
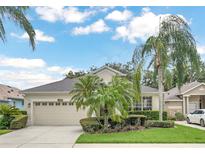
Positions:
(56, 113)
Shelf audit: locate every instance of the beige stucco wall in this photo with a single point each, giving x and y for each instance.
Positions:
(52, 97)
(155, 100)
(172, 107)
(106, 75)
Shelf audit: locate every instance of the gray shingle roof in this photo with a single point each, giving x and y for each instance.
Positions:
(146, 89)
(64, 85)
(67, 84)
(173, 93)
(9, 92)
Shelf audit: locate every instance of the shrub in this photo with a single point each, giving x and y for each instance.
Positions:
(19, 122)
(5, 121)
(23, 112)
(91, 124)
(151, 115)
(138, 120)
(179, 116)
(157, 123)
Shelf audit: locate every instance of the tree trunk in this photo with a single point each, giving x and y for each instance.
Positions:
(161, 90)
(105, 123)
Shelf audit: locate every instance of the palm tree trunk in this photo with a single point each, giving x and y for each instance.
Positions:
(161, 89)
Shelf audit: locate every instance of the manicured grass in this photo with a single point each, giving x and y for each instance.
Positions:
(179, 134)
(4, 131)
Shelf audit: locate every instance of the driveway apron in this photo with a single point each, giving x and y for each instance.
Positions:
(41, 137)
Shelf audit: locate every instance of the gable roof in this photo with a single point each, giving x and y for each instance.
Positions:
(8, 92)
(64, 85)
(174, 93)
(109, 68)
(146, 89)
(67, 84)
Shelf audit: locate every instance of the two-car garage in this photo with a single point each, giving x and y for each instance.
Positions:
(56, 113)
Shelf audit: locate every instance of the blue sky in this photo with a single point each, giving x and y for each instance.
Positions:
(75, 38)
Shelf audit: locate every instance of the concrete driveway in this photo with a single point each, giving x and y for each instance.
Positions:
(41, 137)
(184, 123)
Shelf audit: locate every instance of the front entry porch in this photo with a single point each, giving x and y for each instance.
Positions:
(192, 103)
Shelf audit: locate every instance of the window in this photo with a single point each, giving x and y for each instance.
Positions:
(51, 104)
(37, 103)
(147, 102)
(44, 103)
(71, 104)
(60, 100)
(58, 104)
(64, 103)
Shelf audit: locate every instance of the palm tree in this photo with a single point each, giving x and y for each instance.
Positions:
(17, 15)
(83, 93)
(115, 98)
(174, 47)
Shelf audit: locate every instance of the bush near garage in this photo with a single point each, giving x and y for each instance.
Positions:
(19, 122)
(5, 121)
(151, 115)
(179, 116)
(23, 112)
(161, 124)
(91, 124)
(7, 113)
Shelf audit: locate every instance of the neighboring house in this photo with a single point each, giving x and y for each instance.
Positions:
(12, 96)
(50, 104)
(190, 97)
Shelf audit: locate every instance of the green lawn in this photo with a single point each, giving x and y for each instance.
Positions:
(4, 131)
(179, 134)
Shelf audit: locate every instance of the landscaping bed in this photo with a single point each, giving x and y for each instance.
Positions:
(178, 134)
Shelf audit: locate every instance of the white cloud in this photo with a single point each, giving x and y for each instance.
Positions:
(25, 79)
(22, 62)
(26, 73)
(201, 50)
(119, 16)
(66, 14)
(40, 36)
(97, 27)
(139, 27)
(61, 70)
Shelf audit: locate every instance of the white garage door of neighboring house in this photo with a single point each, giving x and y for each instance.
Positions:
(56, 113)
(193, 106)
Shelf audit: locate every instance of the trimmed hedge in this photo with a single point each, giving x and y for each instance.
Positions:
(19, 122)
(138, 120)
(151, 115)
(90, 125)
(23, 112)
(161, 124)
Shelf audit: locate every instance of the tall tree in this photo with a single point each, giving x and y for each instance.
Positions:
(17, 15)
(174, 47)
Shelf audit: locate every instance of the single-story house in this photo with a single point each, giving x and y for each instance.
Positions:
(11, 95)
(190, 97)
(50, 104)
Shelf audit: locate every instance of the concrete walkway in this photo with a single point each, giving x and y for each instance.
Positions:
(41, 137)
(184, 123)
